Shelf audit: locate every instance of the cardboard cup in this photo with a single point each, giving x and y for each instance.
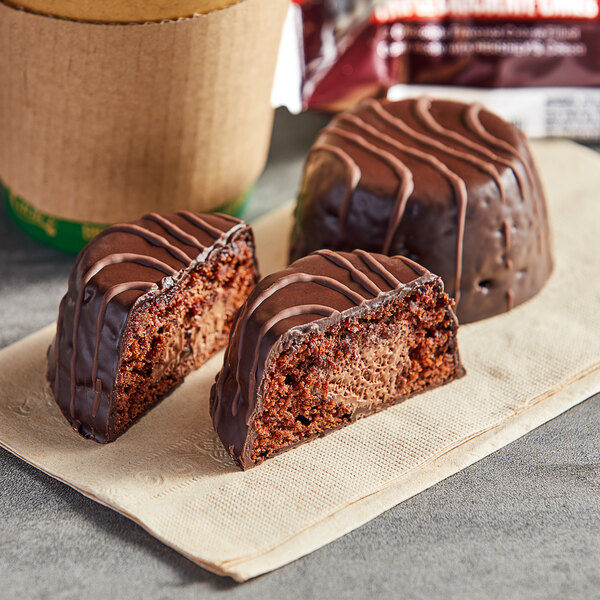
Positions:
(102, 122)
(121, 11)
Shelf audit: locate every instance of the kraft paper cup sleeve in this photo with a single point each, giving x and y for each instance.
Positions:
(171, 474)
(103, 122)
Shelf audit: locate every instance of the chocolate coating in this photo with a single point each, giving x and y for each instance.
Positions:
(310, 295)
(124, 267)
(451, 186)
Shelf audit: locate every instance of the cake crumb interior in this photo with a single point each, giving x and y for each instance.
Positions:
(180, 330)
(360, 365)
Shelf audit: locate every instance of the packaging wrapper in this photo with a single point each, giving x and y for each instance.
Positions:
(535, 63)
(170, 473)
(102, 122)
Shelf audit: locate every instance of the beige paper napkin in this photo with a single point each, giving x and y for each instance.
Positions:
(170, 474)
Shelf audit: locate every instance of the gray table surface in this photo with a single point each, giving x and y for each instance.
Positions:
(522, 523)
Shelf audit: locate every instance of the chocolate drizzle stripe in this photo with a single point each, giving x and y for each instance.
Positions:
(153, 238)
(510, 299)
(353, 175)
(506, 228)
(456, 183)
(487, 167)
(473, 120)
(143, 286)
(284, 282)
(404, 175)
(475, 124)
(415, 266)
(175, 231)
(201, 223)
(111, 259)
(355, 274)
(228, 218)
(127, 257)
(422, 112)
(317, 309)
(378, 268)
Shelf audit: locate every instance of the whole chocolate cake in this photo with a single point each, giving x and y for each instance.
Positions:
(449, 185)
(334, 337)
(147, 302)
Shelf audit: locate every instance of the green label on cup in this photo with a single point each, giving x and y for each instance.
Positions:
(72, 236)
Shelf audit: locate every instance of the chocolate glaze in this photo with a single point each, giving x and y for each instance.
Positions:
(310, 295)
(448, 184)
(124, 267)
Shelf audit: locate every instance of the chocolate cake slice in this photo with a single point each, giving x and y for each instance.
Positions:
(147, 302)
(334, 337)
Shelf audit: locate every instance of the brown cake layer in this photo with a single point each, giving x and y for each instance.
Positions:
(171, 336)
(147, 302)
(450, 185)
(333, 338)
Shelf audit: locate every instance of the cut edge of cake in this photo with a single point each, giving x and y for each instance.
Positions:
(338, 366)
(148, 302)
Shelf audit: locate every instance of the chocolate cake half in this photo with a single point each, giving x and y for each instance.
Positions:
(147, 302)
(334, 337)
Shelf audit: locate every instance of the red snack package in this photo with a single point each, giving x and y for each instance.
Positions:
(535, 62)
